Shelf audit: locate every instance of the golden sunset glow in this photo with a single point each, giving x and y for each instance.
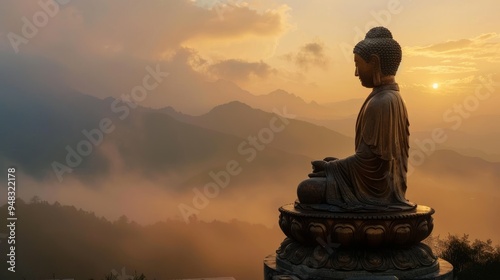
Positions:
(207, 114)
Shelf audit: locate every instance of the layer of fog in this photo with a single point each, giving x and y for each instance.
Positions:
(463, 205)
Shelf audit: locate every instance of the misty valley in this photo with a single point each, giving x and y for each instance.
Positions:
(159, 177)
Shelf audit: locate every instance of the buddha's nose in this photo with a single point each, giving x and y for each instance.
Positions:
(356, 72)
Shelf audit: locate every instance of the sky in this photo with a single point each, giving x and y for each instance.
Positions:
(304, 47)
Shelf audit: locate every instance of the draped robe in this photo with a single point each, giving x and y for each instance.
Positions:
(374, 178)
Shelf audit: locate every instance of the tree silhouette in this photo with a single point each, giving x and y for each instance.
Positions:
(476, 260)
(35, 199)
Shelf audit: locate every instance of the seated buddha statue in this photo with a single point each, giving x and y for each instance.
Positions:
(374, 177)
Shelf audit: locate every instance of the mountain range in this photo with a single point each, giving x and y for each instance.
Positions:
(179, 152)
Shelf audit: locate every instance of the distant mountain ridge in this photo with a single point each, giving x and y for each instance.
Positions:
(146, 140)
(211, 94)
(300, 137)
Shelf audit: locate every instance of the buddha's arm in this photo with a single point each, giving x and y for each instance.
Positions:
(330, 159)
(377, 127)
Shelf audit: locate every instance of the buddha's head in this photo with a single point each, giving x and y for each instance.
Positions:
(377, 57)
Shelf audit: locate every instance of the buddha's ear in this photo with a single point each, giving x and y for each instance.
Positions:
(377, 72)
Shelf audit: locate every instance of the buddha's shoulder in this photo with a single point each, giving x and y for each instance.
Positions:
(385, 97)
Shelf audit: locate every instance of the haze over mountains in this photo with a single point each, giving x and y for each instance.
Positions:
(231, 161)
(71, 243)
(164, 156)
(299, 137)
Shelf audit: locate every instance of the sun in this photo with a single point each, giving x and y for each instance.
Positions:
(435, 85)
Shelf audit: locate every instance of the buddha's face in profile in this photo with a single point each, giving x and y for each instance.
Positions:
(377, 58)
(364, 70)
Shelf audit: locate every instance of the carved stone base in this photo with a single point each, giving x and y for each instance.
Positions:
(349, 229)
(444, 271)
(355, 245)
(317, 260)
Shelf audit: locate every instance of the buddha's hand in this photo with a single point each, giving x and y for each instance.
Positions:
(318, 167)
(330, 158)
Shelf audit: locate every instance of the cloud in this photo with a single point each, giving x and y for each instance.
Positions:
(241, 19)
(309, 55)
(443, 69)
(141, 28)
(448, 46)
(460, 58)
(103, 47)
(483, 47)
(239, 70)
